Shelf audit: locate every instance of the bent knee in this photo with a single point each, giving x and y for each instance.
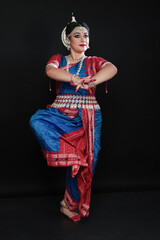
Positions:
(34, 123)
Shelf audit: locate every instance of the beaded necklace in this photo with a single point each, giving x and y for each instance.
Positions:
(80, 65)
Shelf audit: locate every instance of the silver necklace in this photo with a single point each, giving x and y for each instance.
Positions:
(75, 59)
(80, 65)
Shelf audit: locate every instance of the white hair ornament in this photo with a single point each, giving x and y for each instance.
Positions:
(64, 37)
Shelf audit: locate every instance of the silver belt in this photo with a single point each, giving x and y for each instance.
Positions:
(76, 101)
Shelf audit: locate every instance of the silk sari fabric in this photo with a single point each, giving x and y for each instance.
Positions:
(71, 136)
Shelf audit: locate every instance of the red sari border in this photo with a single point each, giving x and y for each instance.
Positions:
(63, 160)
(84, 176)
(72, 150)
(69, 201)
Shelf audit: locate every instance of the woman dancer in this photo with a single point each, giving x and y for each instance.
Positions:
(69, 130)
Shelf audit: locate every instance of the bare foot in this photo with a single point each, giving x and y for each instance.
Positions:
(62, 203)
(75, 169)
(70, 214)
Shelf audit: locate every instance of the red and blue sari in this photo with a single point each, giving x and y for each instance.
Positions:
(69, 132)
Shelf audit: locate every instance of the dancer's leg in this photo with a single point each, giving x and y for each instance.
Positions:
(71, 196)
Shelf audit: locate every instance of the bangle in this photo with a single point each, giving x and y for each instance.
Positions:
(72, 77)
(72, 83)
(92, 84)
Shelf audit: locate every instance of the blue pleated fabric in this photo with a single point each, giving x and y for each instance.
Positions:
(49, 124)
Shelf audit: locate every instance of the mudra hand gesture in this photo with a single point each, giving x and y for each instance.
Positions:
(83, 82)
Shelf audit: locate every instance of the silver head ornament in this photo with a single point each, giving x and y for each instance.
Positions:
(73, 19)
(64, 37)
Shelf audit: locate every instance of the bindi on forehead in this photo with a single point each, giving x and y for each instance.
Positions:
(79, 30)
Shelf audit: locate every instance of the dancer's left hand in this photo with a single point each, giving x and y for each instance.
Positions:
(86, 83)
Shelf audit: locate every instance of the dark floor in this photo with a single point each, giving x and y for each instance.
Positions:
(113, 216)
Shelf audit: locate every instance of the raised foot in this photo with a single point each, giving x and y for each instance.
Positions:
(70, 214)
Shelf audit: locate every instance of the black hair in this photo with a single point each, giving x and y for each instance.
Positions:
(72, 25)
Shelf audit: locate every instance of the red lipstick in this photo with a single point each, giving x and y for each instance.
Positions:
(82, 45)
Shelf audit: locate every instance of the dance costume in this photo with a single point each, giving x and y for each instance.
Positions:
(69, 131)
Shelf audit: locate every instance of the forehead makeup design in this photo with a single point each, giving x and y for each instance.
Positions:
(76, 30)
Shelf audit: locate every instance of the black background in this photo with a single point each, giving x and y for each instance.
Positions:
(125, 33)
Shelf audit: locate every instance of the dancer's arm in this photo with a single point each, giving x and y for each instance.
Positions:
(58, 74)
(105, 74)
(64, 76)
